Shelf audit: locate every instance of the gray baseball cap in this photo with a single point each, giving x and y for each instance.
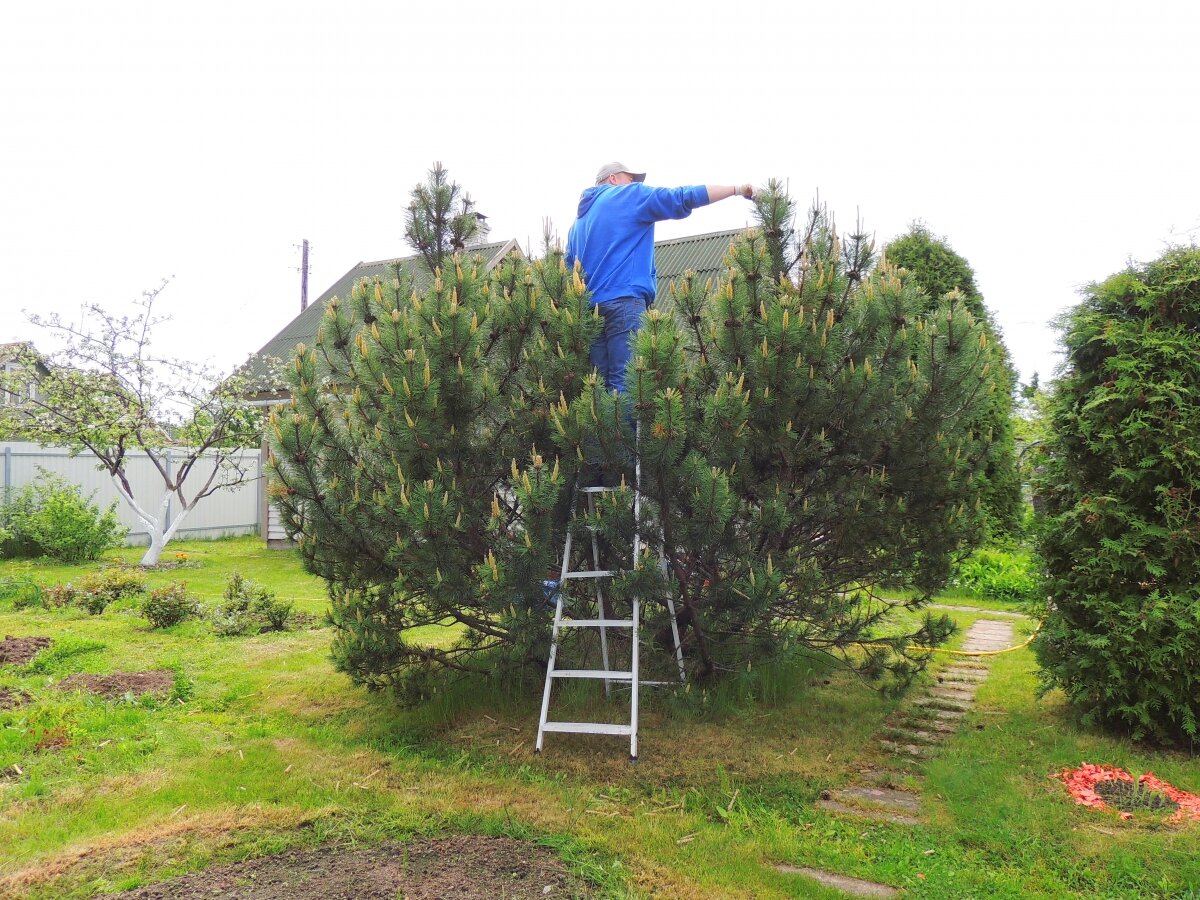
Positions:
(614, 168)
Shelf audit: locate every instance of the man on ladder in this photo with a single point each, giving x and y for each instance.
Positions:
(613, 240)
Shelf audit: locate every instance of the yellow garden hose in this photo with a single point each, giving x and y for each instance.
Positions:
(1024, 643)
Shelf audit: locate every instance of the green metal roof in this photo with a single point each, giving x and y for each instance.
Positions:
(303, 328)
(702, 254)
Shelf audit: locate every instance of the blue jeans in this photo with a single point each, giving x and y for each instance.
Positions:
(611, 351)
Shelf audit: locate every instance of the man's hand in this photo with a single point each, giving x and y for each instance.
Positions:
(723, 191)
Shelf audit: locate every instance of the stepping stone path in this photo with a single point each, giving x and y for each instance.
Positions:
(1003, 614)
(856, 887)
(912, 735)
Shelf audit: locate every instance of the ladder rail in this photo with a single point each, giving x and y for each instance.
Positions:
(554, 629)
(633, 564)
(591, 505)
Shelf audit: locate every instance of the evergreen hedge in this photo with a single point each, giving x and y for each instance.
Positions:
(1121, 484)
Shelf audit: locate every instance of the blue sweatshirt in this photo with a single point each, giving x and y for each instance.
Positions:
(613, 235)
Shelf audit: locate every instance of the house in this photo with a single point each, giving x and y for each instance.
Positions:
(303, 328)
(702, 254)
(21, 368)
(17, 357)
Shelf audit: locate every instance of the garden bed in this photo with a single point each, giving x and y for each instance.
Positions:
(12, 698)
(117, 685)
(17, 651)
(463, 868)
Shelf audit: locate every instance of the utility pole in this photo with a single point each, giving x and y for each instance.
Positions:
(304, 276)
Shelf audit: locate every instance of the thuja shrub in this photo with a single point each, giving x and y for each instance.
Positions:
(1121, 484)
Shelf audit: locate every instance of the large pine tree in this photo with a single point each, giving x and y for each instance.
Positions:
(803, 444)
(806, 442)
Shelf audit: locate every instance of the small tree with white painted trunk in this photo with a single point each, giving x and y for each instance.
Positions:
(106, 391)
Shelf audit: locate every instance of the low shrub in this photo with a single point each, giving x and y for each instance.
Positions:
(250, 607)
(169, 605)
(232, 623)
(51, 517)
(58, 595)
(1015, 576)
(95, 591)
(276, 612)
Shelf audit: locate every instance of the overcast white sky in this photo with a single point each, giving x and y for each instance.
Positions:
(1048, 141)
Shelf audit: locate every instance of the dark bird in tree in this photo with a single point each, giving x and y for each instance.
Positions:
(441, 220)
(480, 235)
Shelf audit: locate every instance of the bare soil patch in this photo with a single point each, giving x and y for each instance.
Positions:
(456, 868)
(118, 684)
(16, 651)
(299, 621)
(12, 698)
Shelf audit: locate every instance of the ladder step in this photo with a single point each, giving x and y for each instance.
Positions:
(607, 674)
(591, 573)
(587, 728)
(596, 623)
(599, 490)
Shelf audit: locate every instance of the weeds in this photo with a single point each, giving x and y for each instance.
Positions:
(61, 658)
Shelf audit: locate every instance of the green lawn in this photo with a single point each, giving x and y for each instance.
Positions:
(264, 746)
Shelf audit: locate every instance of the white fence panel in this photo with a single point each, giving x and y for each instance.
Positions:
(228, 511)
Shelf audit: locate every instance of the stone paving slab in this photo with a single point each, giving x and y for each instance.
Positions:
(956, 687)
(946, 692)
(968, 668)
(961, 680)
(875, 814)
(989, 640)
(888, 778)
(919, 723)
(915, 735)
(918, 750)
(901, 800)
(942, 703)
(1004, 614)
(855, 887)
(925, 714)
(958, 681)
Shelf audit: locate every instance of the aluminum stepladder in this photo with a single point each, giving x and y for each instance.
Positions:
(602, 623)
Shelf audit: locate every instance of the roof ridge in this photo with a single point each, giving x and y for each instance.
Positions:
(728, 232)
(473, 248)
